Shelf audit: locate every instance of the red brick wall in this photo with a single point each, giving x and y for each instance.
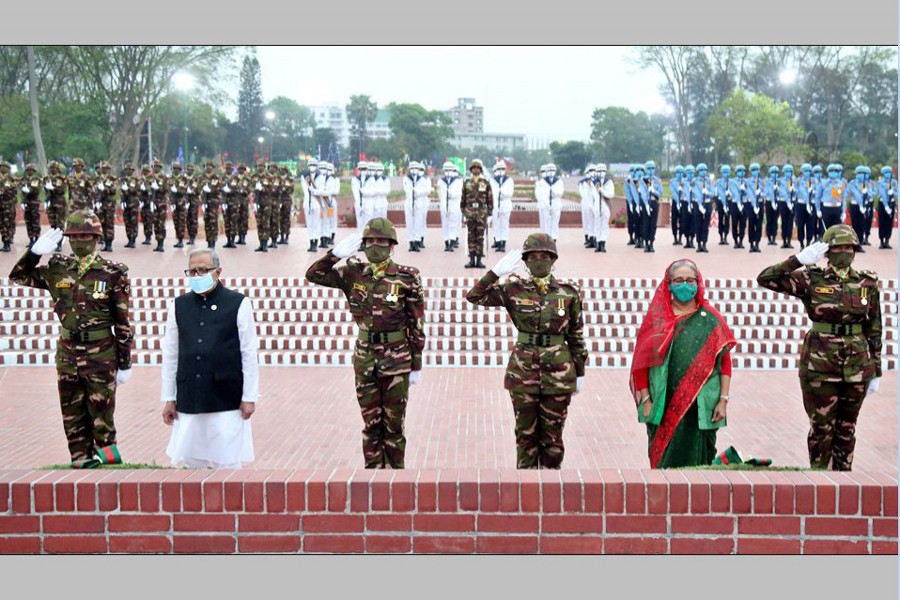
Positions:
(447, 511)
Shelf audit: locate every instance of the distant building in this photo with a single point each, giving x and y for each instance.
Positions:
(334, 117)
(510, 142)
(467, 118)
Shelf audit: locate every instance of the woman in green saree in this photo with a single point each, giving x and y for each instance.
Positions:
(681, 370)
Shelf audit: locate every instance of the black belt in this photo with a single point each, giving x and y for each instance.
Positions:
(85, 335)
(540, 339)
(838, 328)
(381, 337)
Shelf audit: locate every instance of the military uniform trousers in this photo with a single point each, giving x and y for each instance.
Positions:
(33, 216)
(286, 207)
(179, 215)
(539, 428)
(107, 216)
(632, 221)
(211, 220)
(771, 209)
(833, 408)
(130, 211)
(885, 222)
(754, 223)
(723, 215)
(675, 220)
(229, 215)
(243, 214)
(738, 221)
(649, 222)
(687, 222)
(8, 219)
(382, 402)
(147, 209)
(701, 221)
(805, 220)
(159, 218)
(193, 219)
(263, 218)
(831, 215)
(787, 221)
(56, 211)
(87, 398)
(476, 219)
(858, 221)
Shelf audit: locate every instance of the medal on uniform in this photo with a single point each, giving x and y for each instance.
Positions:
(560, 303)
(99, 288)
(392, 297)
(864, 300)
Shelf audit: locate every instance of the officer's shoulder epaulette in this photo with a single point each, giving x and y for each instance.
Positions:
(868, 273)
(408, 270)
(814, 269)
(111, 265)
(61, 259)
(570, 283)
(355, 263)
(515, 278)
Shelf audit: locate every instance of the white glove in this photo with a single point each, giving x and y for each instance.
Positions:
(190, 190)
(702, 210)
(226, 189)
(48, 242)
(122, 376)
(173, 189)
(101, 187)
(124, 187)
(819, 214)
(143, 189)
(203, 206)
(415, 377)
(872, 388)
(579, 384)
(508, 263)
(347, 246)
(206, 188)
(153, 206)
(812, 253)
(258, 186)
(26, 189)
(224, 206)
(48, 186)
(154, 186)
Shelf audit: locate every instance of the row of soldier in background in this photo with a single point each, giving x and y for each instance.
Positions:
(151, 196)
(746, 202)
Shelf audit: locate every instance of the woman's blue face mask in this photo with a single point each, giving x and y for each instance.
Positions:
(684, 292)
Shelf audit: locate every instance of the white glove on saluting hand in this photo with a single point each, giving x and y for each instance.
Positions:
(47, 242)
(415, 377)
(122, 375)
(347, 246)
(507, 264)
(812, 253)
(873, 386)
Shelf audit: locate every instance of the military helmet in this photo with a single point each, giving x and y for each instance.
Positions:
(53, 164)
(773, 170)
(145, 168)
(241, 167)
(500, 165)
(4, 164)
(725, 169)
(83, 221)
(590, 168)
(649, 165)
(448, 166)
(817, 169)
(228, 163)
(176, 166)
(601, 167)
(261, 164)
(867, 170)
(833, 167)
(209, 163)
(309, 163)
(77, 162)
(806, 167)
(702, 167)
(539, 242)
(679, 169)
(787, 169)
(190, 167)
(843, 234)
(689, 169)
(754, 166)
(104, 164)
(551, 167)
(382, 228)
(859, 170)
(128, 167)
(30, 167)
(887, 170)
(740, 168)
(839, 167)
(476, 163)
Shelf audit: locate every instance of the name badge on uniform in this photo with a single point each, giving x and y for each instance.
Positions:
(525, 302)
(561, 306)
(359, 286)
(99, 289)
(824, 290)
(63, 284)
(392, 297)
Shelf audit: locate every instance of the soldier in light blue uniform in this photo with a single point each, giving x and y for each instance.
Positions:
(887, 206)
(703, 206)
(651, 191)
(739, 200)
(831, 197)
(631, 214)
(787, 196)
(639, 205)
(770, 192)
(804, 207)
(723, 196)
(675, 192)
(817, 182)
(687, 207)
(858, 198)
(869, 213)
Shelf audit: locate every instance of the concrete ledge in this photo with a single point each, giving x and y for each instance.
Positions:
(447, 511)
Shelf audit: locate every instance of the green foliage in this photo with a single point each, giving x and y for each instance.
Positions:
(286, 133)
(361, 110)
(620, 136)
(570, 156)
(419, 134)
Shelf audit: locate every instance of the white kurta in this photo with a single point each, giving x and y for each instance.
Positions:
(221, 439)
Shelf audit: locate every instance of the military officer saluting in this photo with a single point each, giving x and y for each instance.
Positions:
(547, 363)
(841, 358)
(388, 304)
(93, 355)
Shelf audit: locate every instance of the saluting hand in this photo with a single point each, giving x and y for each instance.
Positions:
(347, 246)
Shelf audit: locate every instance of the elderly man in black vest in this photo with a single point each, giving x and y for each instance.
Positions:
(210, 373)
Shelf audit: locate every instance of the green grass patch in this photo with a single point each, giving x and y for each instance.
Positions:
(122, 466)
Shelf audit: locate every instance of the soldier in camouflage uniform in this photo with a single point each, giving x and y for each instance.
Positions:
(477, 203)
(242, 197)
(160, 205)
(229, 204)
(192, 191)
(30, 187)
(56, 186)
(274, 192)
(547, 363)
(79, 187)
(178, 200)
(130, 201)
(93, 354)
(261, 200)
(211, 183)
(388, 304)
(147, 206)
(8, 192)
(841, 357)
(286, 205)
(105, 199)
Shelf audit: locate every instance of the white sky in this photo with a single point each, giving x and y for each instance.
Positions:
(540, 92)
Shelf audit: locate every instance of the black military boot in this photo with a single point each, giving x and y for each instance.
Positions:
(263, 248)
(690, 243)
(331, 239)
(179, 244)
(285, 240)
(130, 243)
(108, 246)
(210, 243)
(272, 243)
(191, 241)
(59, 247)
(421, 243)
(242, 240)
(413, 247)
(478, 262)
(592, 242)
(639, 244)
(649, 247)
(456, 242)
(159, 246)
(447, 247)
(146, 241)
(7, 247)
(631, 240)
(863, 250)
(312, 246)
(601, 247)
(503, 246)
(471, 263)
(230, 242)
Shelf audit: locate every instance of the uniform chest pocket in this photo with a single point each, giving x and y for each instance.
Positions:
(358, 296)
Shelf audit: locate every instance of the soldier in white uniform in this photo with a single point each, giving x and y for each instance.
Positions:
(502, 188)
(332, 189)
(549, 193)
(356, 184)
(588, 197)
(449, 192)
(603, 190)
(382, 186)
(311, 207)
(417, 188)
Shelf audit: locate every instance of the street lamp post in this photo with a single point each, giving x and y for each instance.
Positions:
(184, 82)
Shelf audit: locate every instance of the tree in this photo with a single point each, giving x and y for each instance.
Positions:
(323, 139)
(755, 127)
(419, 133)
(35, 112)
(250, 106)
(288, 128)
(570, 156)
(360, 111)
(619, 135)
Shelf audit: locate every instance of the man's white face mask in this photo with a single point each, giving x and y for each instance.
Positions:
(601, 174)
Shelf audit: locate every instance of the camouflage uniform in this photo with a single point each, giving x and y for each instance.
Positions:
(229, 204)
(56, 187)
(192, 191)
(7, 207)
(210, 201)
(79, 187)
(160, 205)
(243, 204)
(105, 204)
(260, 184)
(842, 351)
(286, 205)
(274, 192)
(390, 312)
(130, 201)
(548, 357)
(95, 338)
(477, 203)
(31, 201)
(178, 199)
(147, 199)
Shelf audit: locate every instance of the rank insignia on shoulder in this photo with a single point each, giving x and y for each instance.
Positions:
(63, 284)
(824, 290)
(359, 286)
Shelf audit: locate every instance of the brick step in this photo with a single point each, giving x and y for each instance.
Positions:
(430, 359)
